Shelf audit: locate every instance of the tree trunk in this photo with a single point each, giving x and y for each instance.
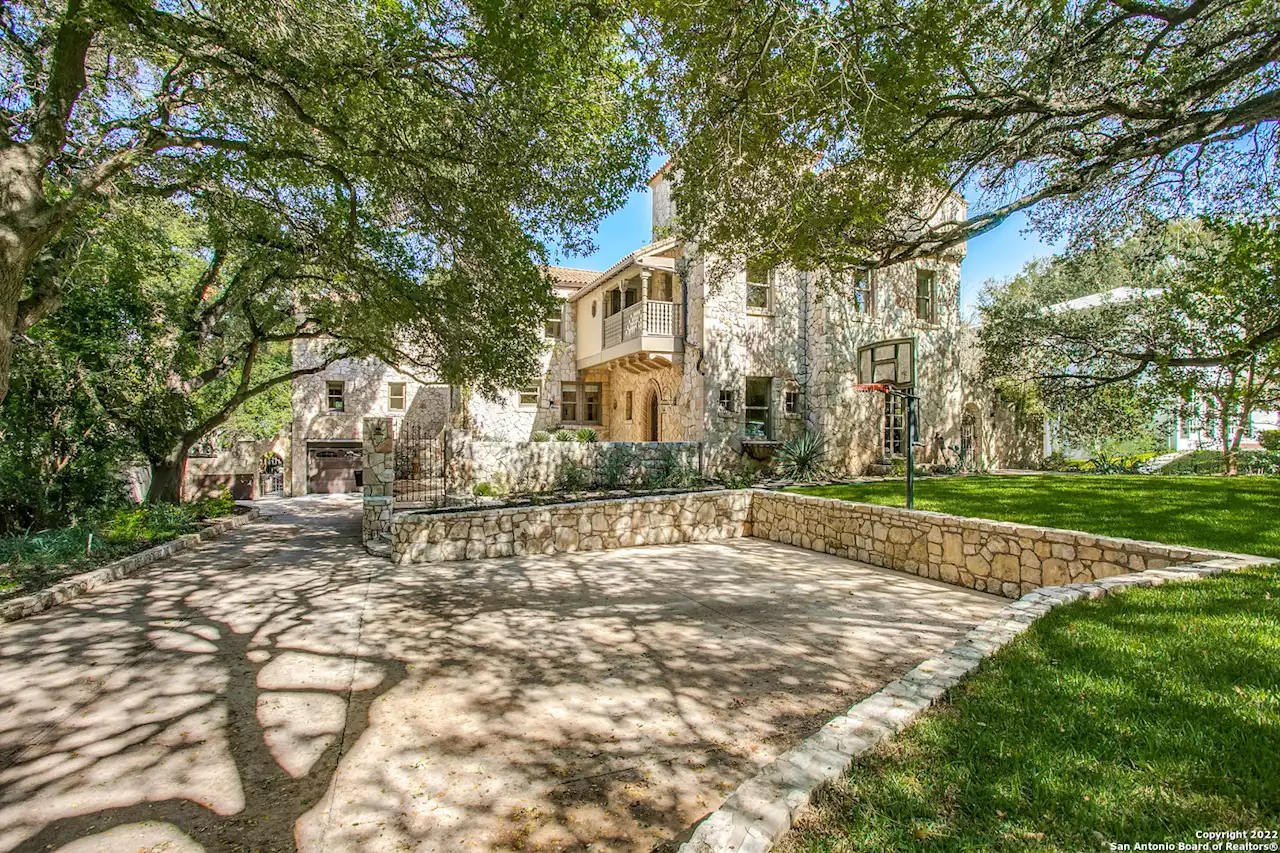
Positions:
(166, 479)
(1230, 465)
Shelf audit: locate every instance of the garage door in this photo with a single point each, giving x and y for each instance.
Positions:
(333, 469)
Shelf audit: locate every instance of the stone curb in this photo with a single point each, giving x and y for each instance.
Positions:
(77, 585)
(763, 808)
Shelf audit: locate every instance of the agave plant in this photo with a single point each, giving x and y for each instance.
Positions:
(566, 435)
(540, 435)
(587, 435)
(801, 458)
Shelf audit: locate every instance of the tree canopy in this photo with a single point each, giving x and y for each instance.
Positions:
(475, 131)
(1185, 315)
(828, 135)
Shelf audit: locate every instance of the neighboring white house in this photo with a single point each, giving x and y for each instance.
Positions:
(1180, 431)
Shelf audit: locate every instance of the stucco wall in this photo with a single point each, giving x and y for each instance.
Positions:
(209, 476)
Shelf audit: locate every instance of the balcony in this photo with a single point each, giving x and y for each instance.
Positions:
(644, 335)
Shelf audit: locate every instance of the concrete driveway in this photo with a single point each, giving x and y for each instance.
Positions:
(278, 689)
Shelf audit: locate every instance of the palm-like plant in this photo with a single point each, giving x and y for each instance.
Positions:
(802, 458)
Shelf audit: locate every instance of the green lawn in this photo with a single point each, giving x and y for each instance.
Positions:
(1142, 717)
(36, 560)
(1239, 514)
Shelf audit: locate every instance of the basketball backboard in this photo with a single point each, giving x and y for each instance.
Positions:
(889, 363)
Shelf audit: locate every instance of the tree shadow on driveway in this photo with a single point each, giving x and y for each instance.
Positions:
(283, 691)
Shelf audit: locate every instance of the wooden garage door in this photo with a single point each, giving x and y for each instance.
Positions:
(333, 469)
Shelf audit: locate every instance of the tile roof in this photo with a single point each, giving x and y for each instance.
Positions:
(572, 275)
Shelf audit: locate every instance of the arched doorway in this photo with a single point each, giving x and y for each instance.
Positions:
(652, 433)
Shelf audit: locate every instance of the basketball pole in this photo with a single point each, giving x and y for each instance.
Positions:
(909, 400)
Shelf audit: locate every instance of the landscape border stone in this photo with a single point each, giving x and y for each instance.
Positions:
(77, 585)
(763, 809)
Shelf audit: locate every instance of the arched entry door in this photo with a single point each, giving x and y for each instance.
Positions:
(968, 440)
(653, 415)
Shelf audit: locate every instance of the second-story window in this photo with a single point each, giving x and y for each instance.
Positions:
(395, 396)
(759, 288)
(728, 401)
(861, 294)
(554, 326)
(926, 295)
(334, 395)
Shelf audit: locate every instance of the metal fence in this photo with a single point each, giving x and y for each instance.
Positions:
(422, 470)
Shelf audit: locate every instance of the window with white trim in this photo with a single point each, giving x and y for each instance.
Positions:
(395, 396)
(759, 288)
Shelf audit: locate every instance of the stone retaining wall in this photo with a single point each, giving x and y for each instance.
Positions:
(989, 556)
(560, 528)
(540, 466)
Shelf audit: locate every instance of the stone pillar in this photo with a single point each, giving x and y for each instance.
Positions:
(379, 477)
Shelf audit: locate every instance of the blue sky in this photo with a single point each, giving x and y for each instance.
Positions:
(999, 253)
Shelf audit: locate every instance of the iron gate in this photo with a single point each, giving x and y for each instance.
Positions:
(422, 471)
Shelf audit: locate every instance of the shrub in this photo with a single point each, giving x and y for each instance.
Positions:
(616, 463)
(574, 478)
(482, 490)
(742, 477)
(566, 435)
(540, 435)
(1269, 439)
(669, 471)
(587, 435)
(802, 458)
(1210, 462)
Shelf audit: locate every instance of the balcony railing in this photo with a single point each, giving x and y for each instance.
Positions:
(644, 318)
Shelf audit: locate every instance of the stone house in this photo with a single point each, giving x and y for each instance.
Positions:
(669, 344)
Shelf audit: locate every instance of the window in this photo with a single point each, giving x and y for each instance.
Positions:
(861, 294)
(758, 408)
(926, 287)
(333, 391)
(727, 402)
(529, 395)
(895, 425)
(630, 404)
(553, 327)
(395, 396)
(759, 288)
(791, 402)
(580, 402)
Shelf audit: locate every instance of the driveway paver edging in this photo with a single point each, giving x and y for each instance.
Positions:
(77, 585)
(761, 810)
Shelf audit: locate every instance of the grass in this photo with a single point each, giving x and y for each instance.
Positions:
(1210, 462)
(1142, 717)
(34, 561)
(1229, 514)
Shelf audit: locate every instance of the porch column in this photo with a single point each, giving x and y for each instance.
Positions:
(644, 285)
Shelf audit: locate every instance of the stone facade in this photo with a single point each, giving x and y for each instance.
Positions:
(379, 461)
(989, 556)
(540, 466)
(563, 528)
(235, 469)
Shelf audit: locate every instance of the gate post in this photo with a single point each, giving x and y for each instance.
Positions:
(379, 458)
